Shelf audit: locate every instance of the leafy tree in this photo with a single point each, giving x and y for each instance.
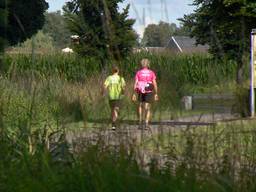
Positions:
(104, 31)
(225, 25)
(3, 21)
(56, 27)
(40, 42)
(25, 17)
(182, 31)
(159, 35)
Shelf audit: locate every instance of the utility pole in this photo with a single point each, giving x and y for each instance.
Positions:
(253, 72)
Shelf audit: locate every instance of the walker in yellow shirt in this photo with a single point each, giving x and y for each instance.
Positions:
(115, 86)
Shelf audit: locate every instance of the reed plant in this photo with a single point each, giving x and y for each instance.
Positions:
(220, 158)
(41, 99)
(194, 69)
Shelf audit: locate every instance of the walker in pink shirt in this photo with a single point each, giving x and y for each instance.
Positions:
(144, 79)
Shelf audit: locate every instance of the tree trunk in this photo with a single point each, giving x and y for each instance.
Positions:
(239, 70)
(242, 61)
(239, 75)
(242, 53)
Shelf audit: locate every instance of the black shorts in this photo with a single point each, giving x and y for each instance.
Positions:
(145, 97)
(115, 103)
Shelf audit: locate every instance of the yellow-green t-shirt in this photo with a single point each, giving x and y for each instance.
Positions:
(115, 85)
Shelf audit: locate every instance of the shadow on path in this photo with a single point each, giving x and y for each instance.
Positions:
(166, 122)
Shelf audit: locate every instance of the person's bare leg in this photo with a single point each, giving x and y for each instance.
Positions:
(140, 113)
(147, 113)
(114, 115)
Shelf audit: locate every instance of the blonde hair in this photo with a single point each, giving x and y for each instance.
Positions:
(145, 63)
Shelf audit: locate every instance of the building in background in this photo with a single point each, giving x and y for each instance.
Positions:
(185, 44)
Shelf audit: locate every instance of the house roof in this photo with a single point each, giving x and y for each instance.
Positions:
(185, 44)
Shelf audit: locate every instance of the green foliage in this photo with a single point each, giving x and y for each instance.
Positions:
(159, 35)
(181, 75)
(225, 26)
(203, 159)
(3, 22)
(40, 42)
(38, 105)
(104, 31)
(70, 67)
(242, 97)
(182, 69)
(25, 17)
(56, 27)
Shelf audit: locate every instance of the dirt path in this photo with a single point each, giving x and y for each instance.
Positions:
(129, 132)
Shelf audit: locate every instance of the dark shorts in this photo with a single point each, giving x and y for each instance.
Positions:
(145, 97)
(114, 103)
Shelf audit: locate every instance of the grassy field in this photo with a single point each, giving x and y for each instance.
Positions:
(44, 97)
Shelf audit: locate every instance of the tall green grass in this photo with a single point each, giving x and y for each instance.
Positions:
(194, 69)
(67, 67)
(209, 159)
(177, 75)
(41, 99)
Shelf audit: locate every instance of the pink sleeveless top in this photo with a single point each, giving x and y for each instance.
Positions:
(144, 78)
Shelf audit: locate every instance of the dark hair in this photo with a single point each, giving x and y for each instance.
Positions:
(115, 69)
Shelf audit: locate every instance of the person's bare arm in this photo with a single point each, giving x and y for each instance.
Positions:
(123, 87)
(155, 86)
(155, 89)
(104, 89)
(134, 86)
(134, 93)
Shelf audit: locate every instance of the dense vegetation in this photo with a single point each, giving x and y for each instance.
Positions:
(19, 26)
(56, 27)
(54, 120)
(100, 167)
(181, 75)
(105, 31)
(158, 35)
(3, 21)
(183, 69)
(46, 99)
(225, 25)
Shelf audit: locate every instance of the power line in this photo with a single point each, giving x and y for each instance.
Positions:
(144, 17)
(149, 9)
(166, 11)
(136, 12)
(162, 8)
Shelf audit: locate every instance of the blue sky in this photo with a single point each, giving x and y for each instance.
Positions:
(168, 10)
